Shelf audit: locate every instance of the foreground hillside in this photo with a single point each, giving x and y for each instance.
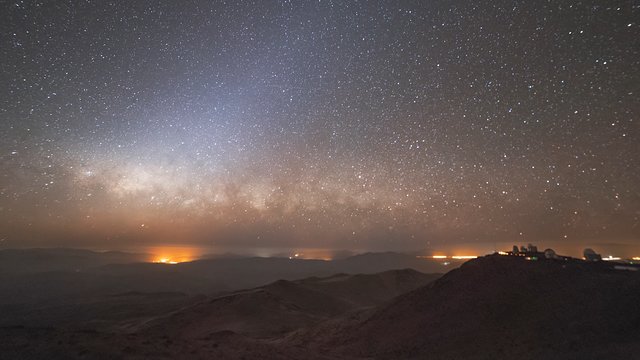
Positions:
(498, 307)
(242, 324)
(284, 306)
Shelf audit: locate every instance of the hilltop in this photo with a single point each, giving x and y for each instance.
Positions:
(498, 307)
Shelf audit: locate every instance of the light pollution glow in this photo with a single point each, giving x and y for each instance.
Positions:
(358, 126)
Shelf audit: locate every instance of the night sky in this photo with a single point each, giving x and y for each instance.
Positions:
(325, 124)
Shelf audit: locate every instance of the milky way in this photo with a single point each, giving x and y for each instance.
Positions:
(350, 125)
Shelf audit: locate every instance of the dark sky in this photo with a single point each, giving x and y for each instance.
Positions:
(345, 125)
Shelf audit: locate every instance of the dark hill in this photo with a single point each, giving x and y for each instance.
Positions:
(369, 289)
(269, 311)
(284, 306)
(499, 307)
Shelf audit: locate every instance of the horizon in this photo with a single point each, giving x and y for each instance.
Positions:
(186, 253)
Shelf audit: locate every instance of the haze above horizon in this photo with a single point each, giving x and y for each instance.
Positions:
(320, 125)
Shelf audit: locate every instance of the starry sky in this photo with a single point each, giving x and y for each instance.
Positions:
(327, 124)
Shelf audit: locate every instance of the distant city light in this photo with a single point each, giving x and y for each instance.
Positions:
(455, 257)
(165, 261)
(610, 258)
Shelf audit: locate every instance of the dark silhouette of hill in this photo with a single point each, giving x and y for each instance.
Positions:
(362, 290)
(272, 310)
(497, 307)
(369, 263)
(284, 306)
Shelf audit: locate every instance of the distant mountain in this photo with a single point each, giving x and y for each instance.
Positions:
(369, 263)
(52, 277)
(232, 273)
(497, 307)
(61, 259)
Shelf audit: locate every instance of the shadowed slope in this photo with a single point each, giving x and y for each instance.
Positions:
(499, 307)
(284, 306)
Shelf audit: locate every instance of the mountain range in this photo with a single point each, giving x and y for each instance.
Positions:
(493, 307)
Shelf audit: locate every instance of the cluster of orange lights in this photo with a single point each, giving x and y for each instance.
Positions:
(173, 261)
(165, 261)
(171, 255)
(456, 257)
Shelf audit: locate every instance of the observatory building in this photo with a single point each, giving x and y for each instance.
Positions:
(591, 255)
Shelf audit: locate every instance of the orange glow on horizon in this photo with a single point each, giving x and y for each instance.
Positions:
(172, 255)
(455, 257)
(165, 261)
